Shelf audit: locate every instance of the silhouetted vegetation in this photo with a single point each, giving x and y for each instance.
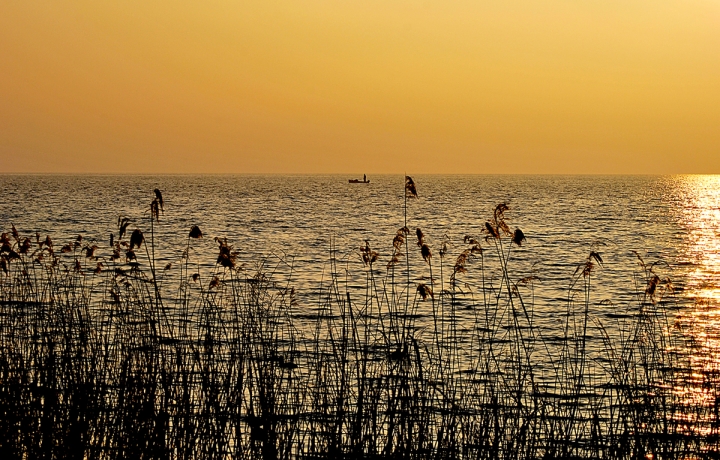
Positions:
(99, 360)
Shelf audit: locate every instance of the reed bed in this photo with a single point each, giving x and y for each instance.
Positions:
(100, 360)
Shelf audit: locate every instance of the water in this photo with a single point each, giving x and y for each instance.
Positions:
(670, 218)
(295, 225)
(293, 222)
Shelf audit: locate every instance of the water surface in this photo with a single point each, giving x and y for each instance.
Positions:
(293, 224)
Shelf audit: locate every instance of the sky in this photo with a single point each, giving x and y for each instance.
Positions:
(344, 86)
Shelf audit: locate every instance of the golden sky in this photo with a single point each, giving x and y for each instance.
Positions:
(312, 86)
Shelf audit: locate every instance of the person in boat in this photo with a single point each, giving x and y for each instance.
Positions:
(364, 178)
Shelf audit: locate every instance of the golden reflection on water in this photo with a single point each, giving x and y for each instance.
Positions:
(699, 257)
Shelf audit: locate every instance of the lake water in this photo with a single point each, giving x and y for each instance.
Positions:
(669, 218)
(291, 224)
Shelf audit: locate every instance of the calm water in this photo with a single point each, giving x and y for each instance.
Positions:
(293, 222)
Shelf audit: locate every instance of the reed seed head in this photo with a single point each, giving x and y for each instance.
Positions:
(420, 237)
(123, 223)
(227, 256)
(425, 291)
(136, 239)
(214, 283)
(589, 265)
(461, 261)
(25, 246)
(518, 237)
(491, 230)
(652, 286)
(398, 240)
(425, 251)
(410, 190)
(155, 210)
(90, 251)
(499, 212)
(394, 259)
(368, 256)
(159, 198)
(195, 232)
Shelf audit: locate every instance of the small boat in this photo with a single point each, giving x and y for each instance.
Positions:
(364, 180)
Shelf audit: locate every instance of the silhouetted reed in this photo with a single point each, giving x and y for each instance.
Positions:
(100, 361)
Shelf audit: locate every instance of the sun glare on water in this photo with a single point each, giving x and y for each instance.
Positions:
(702, 222)
(700, 254)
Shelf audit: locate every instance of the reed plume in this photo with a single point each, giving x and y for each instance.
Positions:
(410, 190)
(195, 232)
(136, 238)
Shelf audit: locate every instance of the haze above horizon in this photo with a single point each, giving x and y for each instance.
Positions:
(552, 87)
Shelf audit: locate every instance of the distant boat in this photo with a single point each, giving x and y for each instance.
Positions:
(364, 180)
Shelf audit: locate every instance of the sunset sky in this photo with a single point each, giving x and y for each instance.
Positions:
(311, 86)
